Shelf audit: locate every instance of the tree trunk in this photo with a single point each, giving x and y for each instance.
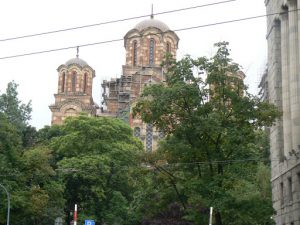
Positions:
(178, 194)
(218, 218)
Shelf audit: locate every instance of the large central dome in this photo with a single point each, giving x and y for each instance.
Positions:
(152, 23)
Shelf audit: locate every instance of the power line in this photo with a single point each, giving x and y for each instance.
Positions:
(121, 39)
(178, 164)
(61, 49)
(112, 21)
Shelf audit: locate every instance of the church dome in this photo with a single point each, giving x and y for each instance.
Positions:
(76, 61)
(152, 23)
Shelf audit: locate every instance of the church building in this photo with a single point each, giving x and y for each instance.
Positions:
(146, 46)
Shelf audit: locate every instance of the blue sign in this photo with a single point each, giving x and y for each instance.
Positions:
(89, 222)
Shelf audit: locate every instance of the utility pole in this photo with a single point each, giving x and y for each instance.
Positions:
(8, 204)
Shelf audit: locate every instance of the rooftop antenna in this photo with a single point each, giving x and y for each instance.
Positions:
(152, 11)
(77, 55)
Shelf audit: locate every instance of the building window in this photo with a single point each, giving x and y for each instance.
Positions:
(281, 194)
(168, 48)
(74, 78)
(137, 132)
(70, 112)
(63, 79)
(85, 78)
(135, 53)
(151, 51)
(149, 137)
(161, 134)
(290, 190)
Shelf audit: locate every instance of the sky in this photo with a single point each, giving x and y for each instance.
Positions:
(37, 76)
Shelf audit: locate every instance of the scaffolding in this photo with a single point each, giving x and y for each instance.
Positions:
(124, 97)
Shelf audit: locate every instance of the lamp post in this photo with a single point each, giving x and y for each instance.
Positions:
(8, 204)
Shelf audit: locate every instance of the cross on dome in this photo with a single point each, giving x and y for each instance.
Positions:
(77, 55)
(152, 16)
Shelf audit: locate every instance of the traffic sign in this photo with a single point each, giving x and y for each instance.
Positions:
(89, 222)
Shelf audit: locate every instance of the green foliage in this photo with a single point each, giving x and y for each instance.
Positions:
(214, 140)
(9, 143)
(25, 169)
(98, 160)
(17, 113)
(39, 195)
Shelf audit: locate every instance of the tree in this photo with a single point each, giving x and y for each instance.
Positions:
(212, 124)
(41, 191)
(17, 113)
(10, 143)
(26, 170)
(98, 160)
(35, 191)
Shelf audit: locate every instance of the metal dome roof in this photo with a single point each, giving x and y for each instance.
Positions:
(152, 23)
(77, 61)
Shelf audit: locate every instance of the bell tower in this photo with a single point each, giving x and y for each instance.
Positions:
(74, 91)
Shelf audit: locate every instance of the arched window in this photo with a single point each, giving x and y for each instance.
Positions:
(63, 79)
(149, 137)
(137, 132)
(168, 47)
(151, 51)
(85, 79)
(70, 112)
(135, 53)
(74, 78)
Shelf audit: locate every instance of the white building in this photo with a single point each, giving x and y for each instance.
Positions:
(283, 83)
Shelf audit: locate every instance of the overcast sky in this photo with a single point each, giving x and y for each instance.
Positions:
(37, 75)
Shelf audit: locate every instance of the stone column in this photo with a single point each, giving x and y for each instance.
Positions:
(275, 92)
(294, 65)
(287, 130)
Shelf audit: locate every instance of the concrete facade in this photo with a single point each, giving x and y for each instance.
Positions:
(146, 46)
(281, 84)
(74, 92)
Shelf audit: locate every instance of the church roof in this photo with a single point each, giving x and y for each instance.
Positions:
(76, 61)
(152, 23)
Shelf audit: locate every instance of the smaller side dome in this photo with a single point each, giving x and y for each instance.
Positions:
(151, 23)
(77, 61)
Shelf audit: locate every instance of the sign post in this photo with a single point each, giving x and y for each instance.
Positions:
(75, 215)
(89, 222)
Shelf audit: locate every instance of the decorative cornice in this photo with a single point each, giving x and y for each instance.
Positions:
(73, 101)
(141, 33)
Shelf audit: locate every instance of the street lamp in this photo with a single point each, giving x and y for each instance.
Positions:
(8, 204)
